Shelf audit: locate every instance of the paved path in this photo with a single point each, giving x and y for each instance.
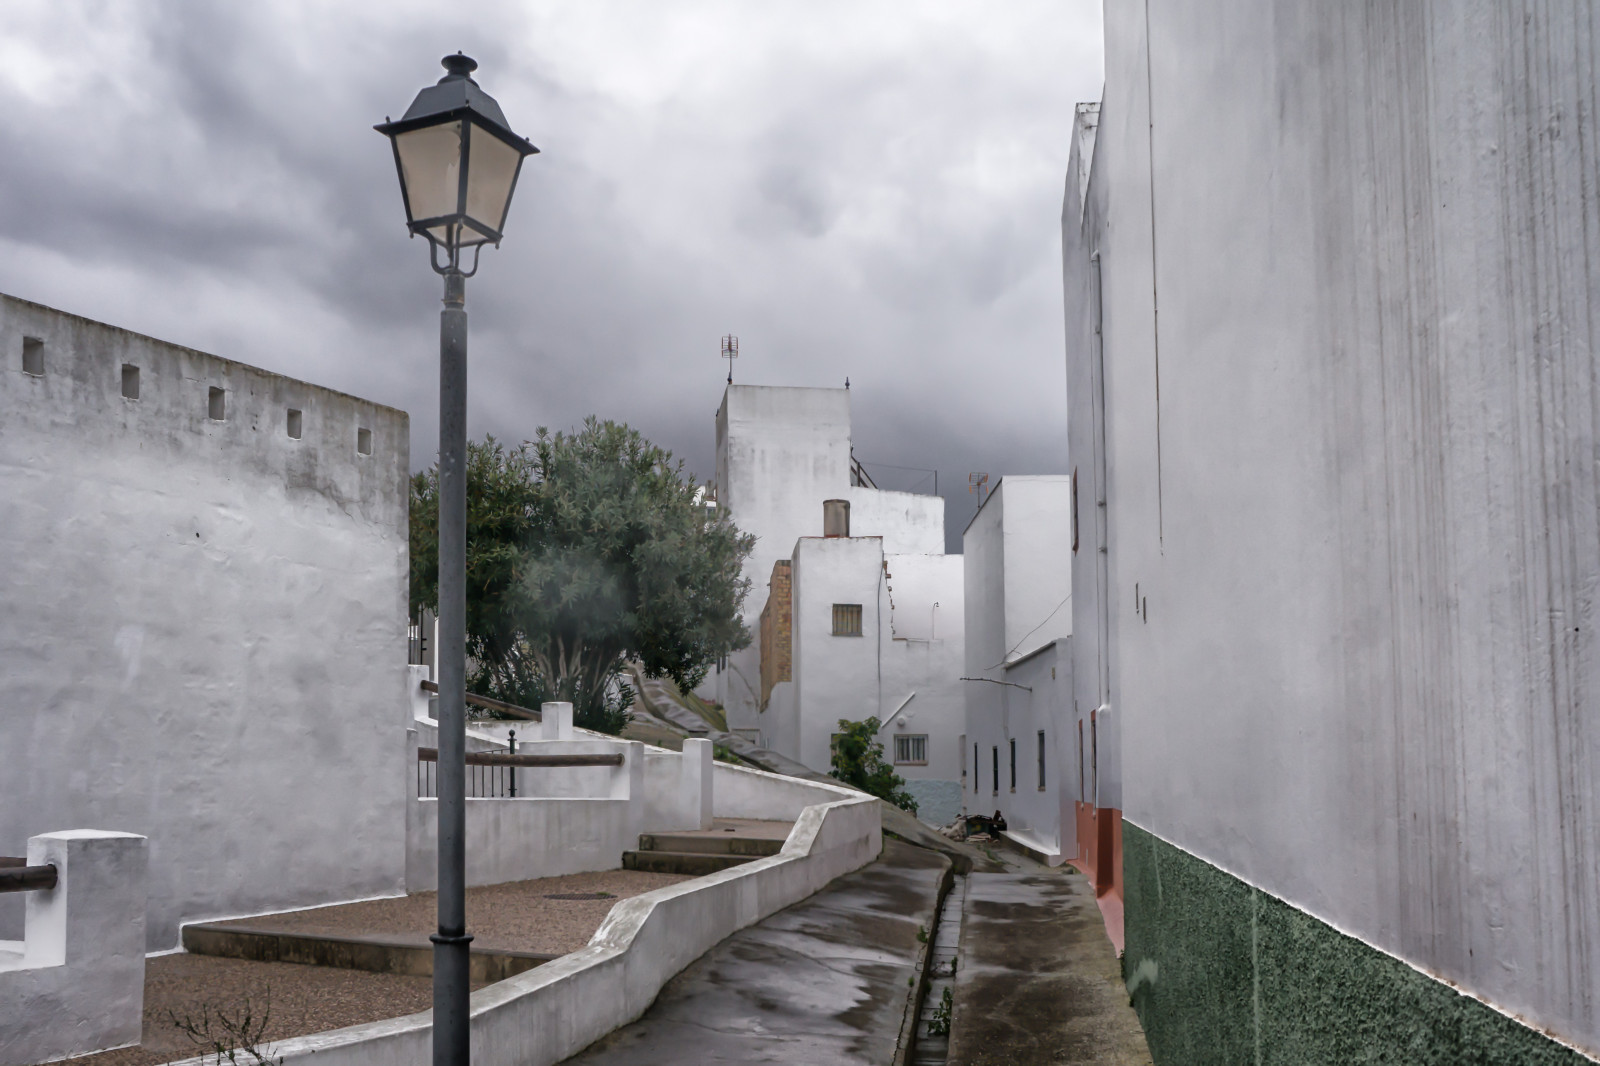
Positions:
(1037, 979)
(824, 982)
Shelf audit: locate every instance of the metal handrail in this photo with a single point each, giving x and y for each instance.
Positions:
(17, 876)
(487, 758)
(491, 704)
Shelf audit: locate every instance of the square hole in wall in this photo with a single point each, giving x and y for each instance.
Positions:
(130, 381)
(32, 356)
(218, 408)
(294, 423)
(364, 441)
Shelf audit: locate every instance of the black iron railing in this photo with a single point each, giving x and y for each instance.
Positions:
(492, 774)
(17, 876)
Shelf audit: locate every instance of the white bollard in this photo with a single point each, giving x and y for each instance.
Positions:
(695, 781)
(420, 702)
(555, 721)
(80, 985)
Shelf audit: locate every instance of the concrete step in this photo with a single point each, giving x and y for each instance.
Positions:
(376, 954)
(721, 844)
(693, 863)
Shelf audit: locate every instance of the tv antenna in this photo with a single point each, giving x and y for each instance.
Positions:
(977, 483)
(730, 352)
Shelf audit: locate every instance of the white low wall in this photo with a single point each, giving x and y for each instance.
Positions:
(678, 788)
(549, 1013)
(75, 985)
(539, 835)
(743, 793)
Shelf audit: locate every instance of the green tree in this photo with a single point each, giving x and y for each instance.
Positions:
(584, 550)
(858, 762)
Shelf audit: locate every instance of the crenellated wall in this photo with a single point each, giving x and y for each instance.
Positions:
(203, 632)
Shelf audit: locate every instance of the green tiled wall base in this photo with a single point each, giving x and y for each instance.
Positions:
(1222, 973)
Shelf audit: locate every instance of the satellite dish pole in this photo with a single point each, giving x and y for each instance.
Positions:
(730, 352)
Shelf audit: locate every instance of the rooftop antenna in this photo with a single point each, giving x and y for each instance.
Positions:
(730, 352)
(977, 483)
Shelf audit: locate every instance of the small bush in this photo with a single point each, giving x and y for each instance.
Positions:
(858, 762)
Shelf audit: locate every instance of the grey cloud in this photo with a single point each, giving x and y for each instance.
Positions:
(865, 190)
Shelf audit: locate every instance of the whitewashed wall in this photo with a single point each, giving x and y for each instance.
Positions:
(1018, 550)
(780, 453)
(923, 652)
(203, 639)
(1362, 503)
(836, 677)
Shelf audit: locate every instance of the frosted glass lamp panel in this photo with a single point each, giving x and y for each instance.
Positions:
(491, 172)
(430, 159)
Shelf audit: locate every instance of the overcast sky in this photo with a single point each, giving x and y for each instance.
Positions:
(855, 189)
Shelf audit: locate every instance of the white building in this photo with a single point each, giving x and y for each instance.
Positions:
(1022, 743)
(1331, 277)
(782, 452)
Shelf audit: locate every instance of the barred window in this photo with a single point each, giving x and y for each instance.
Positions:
(847, 619)
(911, 749)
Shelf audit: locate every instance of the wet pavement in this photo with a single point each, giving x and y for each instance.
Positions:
(1037, 979)
(826, 981)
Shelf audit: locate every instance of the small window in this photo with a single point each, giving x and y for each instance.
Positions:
(1013, 765)
(847, 619)
(130, 381)
(1041, 760)
(994, 768)
(33, 356)
(218, 404)
(294, 424)
(364, 441)
(911, 749)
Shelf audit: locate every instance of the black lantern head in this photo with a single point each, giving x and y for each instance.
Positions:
(458, 161)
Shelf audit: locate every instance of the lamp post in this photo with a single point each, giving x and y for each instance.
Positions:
(458, 162)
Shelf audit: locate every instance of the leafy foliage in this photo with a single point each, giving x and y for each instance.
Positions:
(858, 762)
(584, 550)
(939, 1019)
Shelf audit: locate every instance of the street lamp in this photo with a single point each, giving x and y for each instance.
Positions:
(458, 163)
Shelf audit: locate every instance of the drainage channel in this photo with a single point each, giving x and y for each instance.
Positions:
(932, 1047)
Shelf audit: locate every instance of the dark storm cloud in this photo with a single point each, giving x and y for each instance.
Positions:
(868, 190)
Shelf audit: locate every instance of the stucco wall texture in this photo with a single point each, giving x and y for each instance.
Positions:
(780, 453)
(1019, 607)
(203, 638)
(1348, 259)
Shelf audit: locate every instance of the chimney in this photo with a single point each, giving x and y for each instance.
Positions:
(835, 518)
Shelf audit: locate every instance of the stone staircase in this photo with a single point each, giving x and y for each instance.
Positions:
(697, 853)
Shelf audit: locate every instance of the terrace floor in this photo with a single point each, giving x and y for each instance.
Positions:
(519, 916)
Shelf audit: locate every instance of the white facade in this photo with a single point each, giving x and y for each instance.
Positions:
(781, 453)
(902, 667)
(203, 639)
(1021, 733)
(1346, 414)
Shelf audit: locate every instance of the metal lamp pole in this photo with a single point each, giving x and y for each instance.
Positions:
(458, 163)
(451, 943)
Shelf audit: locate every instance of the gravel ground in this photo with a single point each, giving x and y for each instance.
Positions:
(313, 999)
(298, 999)
(515, 916)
